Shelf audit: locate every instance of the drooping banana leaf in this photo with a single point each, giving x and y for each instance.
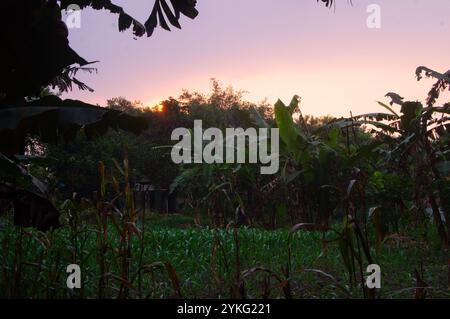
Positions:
(27, 196)
(161, 13)
(55, 120)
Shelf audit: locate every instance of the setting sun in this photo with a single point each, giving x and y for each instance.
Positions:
(224, 157)
(155, 105)
(159, 107)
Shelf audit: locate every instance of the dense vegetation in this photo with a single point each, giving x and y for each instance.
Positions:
(205, 265)
(369, 189)
(350, 192)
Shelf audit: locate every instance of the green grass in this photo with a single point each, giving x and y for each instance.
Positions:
(39, 271)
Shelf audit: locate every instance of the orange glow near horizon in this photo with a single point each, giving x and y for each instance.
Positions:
(158, 107)
(328, 57)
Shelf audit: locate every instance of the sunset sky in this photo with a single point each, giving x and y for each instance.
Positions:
(271, 49)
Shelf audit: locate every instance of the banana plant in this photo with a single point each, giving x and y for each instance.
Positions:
(417, 145)
(53, 121)
(308, 162)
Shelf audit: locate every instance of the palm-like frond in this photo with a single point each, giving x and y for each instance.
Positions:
(162, 13)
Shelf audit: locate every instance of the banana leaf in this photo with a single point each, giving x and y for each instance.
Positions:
(55, 120)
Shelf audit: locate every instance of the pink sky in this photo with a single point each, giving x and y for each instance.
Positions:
(272, 49)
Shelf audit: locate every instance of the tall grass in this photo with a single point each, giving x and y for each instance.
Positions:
(206, 263)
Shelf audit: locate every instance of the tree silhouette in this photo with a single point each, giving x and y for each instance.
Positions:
(35, 48)
(35, 54)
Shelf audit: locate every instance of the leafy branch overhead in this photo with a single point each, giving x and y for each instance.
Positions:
(55, 120)
(36, 54)
(161, 12)
(35, 47)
